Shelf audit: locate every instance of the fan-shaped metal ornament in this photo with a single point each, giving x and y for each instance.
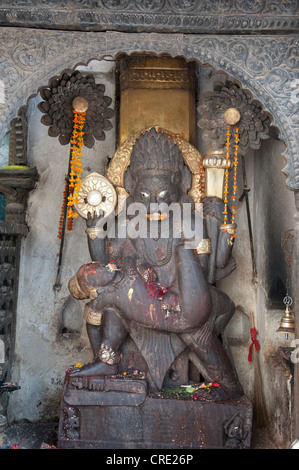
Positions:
(57, 107)
(96, 194)
(231, 104)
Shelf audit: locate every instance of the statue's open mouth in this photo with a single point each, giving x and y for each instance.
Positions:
(156, 215)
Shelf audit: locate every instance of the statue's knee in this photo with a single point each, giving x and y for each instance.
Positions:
(89, 278)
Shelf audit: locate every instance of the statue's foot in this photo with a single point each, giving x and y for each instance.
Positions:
(229, 268)
(215, 393)
(95, 369)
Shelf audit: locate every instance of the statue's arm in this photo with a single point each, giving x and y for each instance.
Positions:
(105, 242)
(221, 249)
(97, 243)
(98, 250)
(224, 249)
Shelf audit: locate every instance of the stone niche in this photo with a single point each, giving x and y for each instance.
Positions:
(53, 321)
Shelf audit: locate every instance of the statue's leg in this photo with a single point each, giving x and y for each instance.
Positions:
(106, 342)
(210, 351)
(194, 291)
(217, 365)
(114, 333)
(94, 333)
(224, 309)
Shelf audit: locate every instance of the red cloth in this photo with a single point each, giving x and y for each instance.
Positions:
(254, 342)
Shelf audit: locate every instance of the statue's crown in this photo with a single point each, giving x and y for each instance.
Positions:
(156, 150)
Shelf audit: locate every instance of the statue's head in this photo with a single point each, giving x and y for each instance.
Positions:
(156, 170)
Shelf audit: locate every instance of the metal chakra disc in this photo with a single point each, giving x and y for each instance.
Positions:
(96, 194)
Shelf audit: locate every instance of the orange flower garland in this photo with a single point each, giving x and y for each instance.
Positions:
(202, 176)
(226, 175)
(226, 180)
(73, 180)
(75, 166)
(60, 230)
(170, 134)
(235, 163)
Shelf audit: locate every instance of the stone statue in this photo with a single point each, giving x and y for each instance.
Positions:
(157, 289)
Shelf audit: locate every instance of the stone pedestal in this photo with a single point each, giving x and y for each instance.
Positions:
(114, 413)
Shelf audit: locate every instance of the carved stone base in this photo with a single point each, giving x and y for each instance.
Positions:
(113, 413)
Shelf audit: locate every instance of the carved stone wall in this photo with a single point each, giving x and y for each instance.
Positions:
(187, 16)
(265, 65)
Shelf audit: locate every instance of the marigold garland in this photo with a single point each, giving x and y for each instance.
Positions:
(226, 175)
(235, 164)
(226, 180)
(201, 185)
(60, 230)
(75, 166)
(73, 179)
(171, 135)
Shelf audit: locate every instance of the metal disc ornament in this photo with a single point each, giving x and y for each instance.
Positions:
(96, 194)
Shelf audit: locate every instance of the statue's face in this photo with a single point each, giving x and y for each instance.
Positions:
(155, 190)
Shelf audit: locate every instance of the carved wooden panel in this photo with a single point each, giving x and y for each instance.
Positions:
(9, 262)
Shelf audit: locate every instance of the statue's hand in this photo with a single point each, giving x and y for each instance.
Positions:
(214, 207)
(170, 302)
(93, 219)
(226, 270)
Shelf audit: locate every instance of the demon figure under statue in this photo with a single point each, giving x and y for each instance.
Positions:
(159, 290)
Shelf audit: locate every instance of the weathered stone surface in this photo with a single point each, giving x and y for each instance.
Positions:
(264, 65)
(90, 419)
(194, 16)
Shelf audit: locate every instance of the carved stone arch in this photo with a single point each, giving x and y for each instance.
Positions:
(265, 65)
